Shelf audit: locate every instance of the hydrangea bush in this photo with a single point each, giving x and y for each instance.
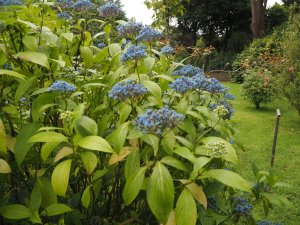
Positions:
(114, 133)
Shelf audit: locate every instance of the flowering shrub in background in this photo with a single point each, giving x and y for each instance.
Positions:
(111, 132)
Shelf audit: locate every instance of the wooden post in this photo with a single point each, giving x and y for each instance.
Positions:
(275, 137)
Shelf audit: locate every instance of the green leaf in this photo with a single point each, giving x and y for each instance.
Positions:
(41, 103)
(2, 138)
(12, 73)
(4, 166)
(228, 178)
(22, 146)
(48, 136)
(132, 163)
(278, 200)
(118, 137)
(62, 153)
(31, 43)
(185, 142)
(133, 185)
(89, 161)
(68, 36)
(36, 197)
(87, 56)
(124, 113)
(95, 143)
(196, 191)
(85, 126)
(153, 88)
(114, 49)
(185, 153)
(23, 87)
(186, 211)
(153, 141)
(34, 57)
(35, 218)
(168, 142)
(60, 177)
(107, 29)
(160, 192)
(47, 192)
(57, 209)
(47, 149)
(171, 161)
(149, 62)
(86, 197)
(199, 163)
(15, 212)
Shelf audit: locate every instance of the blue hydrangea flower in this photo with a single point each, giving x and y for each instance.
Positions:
(243, 207)
(83, 5)
(109, 10)
(65, 4)
(11, 2)
(130, 29)
(229, 97)
(212, 204)
(63, 86)
(64, 15)
(187, 70)
(182, 85)
(223, 102)
(215, 86)
(157, 121)
(264, 222)
(127, 89)
(7, 66)
(133, 52)
(149, 35)
(101, 45)
(167, 50)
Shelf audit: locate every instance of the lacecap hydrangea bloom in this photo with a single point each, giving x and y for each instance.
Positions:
(167, 50)
(10, 2)
(215, 86)
(130, 29)
(63, 86)
(184, 84)
(65, 4)
(243, 207)
(188, 71)
(229, 96)
(109, 10)
(157, 121)
(148, 34)
(226, 105)
(127, 89)
(64, 15)
(83, 5)
(133, 52)
(101, 45)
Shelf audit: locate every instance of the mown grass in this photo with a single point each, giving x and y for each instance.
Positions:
(256, 130)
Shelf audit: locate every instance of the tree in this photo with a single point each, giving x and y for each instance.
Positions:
(258, 8)
(290, 2)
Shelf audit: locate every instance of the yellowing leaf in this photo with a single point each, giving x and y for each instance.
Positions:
(115, 158)
(4, 166)
(65, 151)
(196, 191)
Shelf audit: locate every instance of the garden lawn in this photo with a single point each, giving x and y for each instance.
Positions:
(256, 130)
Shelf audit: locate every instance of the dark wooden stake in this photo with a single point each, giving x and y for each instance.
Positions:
(275, 137)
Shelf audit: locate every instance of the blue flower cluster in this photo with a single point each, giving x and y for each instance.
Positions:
(83, 5)
(127, 89)
(266, 222)
(130, 29)
(64, 15)
(243, 207)
(109, 10)
(184, 84)
(188, 71)
(229, 97)
(223, 102)
(212, 204)
(133, 52)
(63, 86)
(157, 121)
(214, 86)
(10, 2)
(167, 50)
(149, 35)
(101, 45)
(7, 66)
(65, 4)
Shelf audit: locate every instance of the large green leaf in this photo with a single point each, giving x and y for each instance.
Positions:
(60, 177)
(153, 88)
(31, 43)
(95, 143)
(34, 57)
(22, 145)
(41, 103)
(15, 212)
(186, 211)
(68, 36)
(185, 153)
(23, 87)
(86, 197)
(86, 126)
(160, 192)
(228, 178)
(114, 49)
(132, 163)
(2, 138)
(36, 197)
(171, 161)
(57, 209)
(168, 142)
(48, 136)
(4, 166)
(196, 191)
(12, 73)
(47, 148)
(149, 62)
(153, 141)
(87, 56)
(118, 137)
(89, 160)
(47, 192)
(133, 185)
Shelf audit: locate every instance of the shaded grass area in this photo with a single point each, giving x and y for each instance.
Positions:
(256, 130)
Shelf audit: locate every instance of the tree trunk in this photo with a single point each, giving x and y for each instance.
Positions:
(257, 105)
(258, 8)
